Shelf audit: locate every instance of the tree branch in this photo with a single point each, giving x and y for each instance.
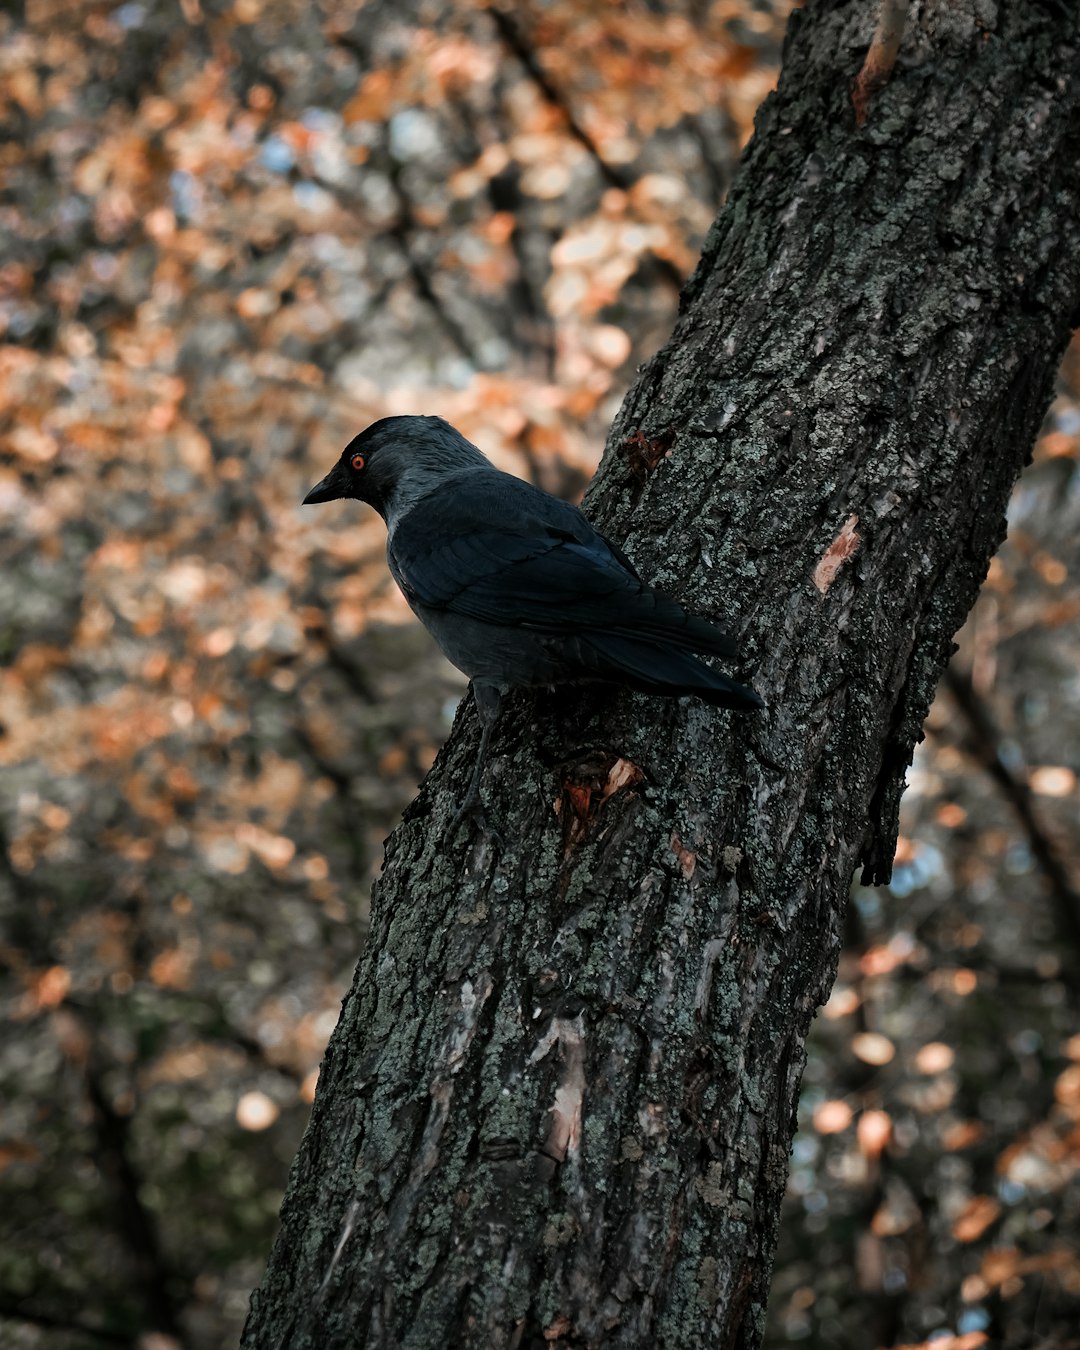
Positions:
(985, 740)
(612, 174)
(137, 1225)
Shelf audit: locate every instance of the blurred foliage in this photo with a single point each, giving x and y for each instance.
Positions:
(230, 236)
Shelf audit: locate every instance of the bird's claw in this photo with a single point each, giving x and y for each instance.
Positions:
(472, 808)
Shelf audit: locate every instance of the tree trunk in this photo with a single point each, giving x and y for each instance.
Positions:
(558, 1106)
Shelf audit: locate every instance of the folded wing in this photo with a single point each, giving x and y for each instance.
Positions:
(497, 550)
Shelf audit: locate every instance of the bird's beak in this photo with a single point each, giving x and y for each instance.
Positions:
(333, 486)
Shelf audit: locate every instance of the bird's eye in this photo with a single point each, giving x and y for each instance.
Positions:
(357, 462)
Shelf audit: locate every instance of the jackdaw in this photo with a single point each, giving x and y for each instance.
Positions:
(515, 585)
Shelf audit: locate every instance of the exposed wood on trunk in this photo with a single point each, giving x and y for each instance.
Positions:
(880, 56)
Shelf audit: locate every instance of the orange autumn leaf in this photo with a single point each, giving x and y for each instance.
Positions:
(975, 1218)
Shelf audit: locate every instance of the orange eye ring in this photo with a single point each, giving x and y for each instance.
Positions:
(357, 462)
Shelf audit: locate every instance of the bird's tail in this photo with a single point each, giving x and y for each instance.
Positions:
(665, 670)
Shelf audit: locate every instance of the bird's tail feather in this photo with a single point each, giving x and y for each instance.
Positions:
(664, 670)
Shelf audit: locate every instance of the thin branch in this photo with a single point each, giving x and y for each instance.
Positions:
(354, 674)
(986, 739)
(513, 37)
(612, 174)
(402, 232)
(717, 171)
(24, 923)
(343, 797)
(137, 1225)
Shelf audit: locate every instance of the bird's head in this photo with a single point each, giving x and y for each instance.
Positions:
(396, 461)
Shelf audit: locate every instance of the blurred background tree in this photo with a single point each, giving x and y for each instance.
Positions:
(231, 236)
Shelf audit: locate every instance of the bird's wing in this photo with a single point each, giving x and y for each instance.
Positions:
(498, 550)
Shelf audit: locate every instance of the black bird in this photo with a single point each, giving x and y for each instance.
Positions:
(516, 586)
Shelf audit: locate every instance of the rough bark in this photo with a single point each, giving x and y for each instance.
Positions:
(558, 1106)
